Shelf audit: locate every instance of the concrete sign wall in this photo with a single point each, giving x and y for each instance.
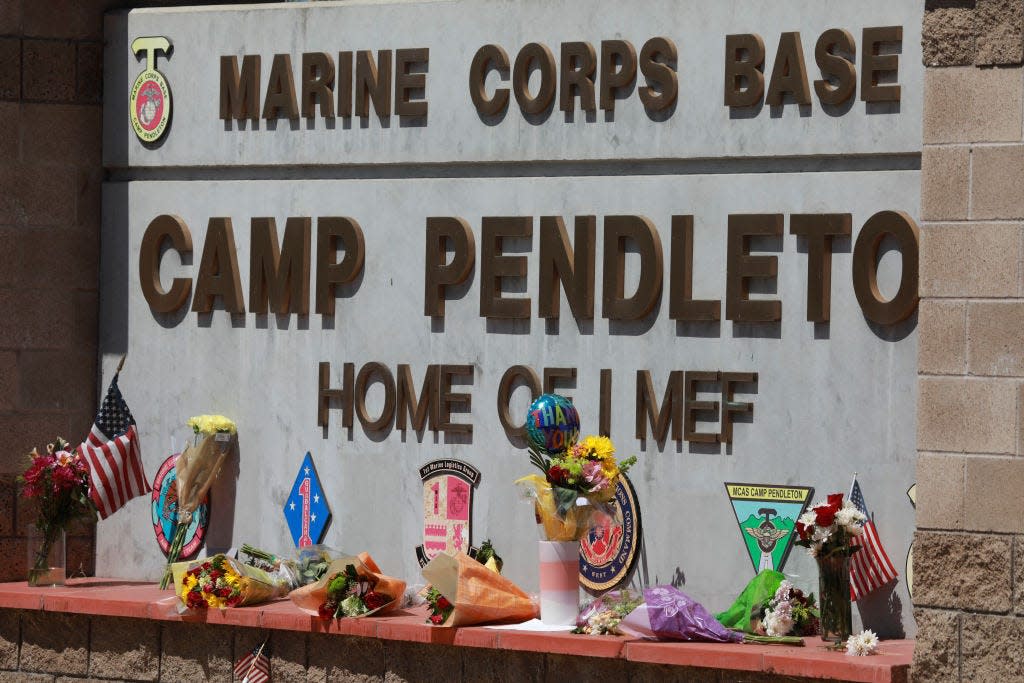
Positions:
(830, 398)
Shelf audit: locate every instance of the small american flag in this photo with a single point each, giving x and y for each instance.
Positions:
(254, 667)
(112, 453)
(870, 567)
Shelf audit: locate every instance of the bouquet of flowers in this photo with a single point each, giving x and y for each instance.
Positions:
(196, 469)
(309, 565)
(826, 529)
(602, 617)
(464, 591)
(222, 582)
(790, 611)
(585, 470)
(59, 484)
(667, 613)
(351, 587)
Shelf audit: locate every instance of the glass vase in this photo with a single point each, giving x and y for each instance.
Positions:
(46, 558)
(834, 597)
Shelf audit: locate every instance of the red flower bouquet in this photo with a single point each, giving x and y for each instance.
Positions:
(58, 482)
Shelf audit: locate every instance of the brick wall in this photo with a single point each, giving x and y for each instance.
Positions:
(43, 647)
(51, 69)
(969, 547)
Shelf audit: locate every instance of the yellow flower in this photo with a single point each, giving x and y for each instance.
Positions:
(599, 448)
(212, 424)
(187, 584)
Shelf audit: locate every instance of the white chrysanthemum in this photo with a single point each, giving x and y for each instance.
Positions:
(809, 518)
(862, 644)
(778, 622)
(847, 515)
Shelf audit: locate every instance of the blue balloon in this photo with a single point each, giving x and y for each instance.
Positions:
(552, 424)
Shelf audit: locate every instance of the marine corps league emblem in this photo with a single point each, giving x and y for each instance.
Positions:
(447, 507)
(609, 550)
(150, 101)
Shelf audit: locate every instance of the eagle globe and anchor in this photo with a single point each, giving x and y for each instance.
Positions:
(150, 100)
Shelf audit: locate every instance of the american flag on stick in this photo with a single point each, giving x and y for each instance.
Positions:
(870, 567)
(112, 453)
(254, 667)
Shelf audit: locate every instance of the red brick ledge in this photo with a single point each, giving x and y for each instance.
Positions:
(117, 598)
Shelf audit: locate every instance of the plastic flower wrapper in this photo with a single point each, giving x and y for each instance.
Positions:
(308, 566)
(602, 616)
(669, 614)
(747, 608)
(352, 587)
(474, 593)
(575, 484)
(222, 582)
(196, 468)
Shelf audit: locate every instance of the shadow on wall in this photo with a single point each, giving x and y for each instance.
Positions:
(223, 493)
(115, 260)
(882, 611)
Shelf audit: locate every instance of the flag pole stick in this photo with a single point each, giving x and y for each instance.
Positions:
(121, 364)
(252, 665)
(851, 485)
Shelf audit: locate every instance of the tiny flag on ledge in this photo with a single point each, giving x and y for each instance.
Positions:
(112, 453)
(870, 567)
(254, 667)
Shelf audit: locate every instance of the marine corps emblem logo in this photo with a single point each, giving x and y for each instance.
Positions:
(150, 101)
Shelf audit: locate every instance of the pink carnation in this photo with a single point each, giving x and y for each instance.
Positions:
(594, 475)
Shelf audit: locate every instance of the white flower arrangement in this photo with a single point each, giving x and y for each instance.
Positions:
(863, 644)
(829, 525)
(789, 608)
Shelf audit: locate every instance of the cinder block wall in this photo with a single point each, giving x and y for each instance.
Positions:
(51, 76)
(969, 545)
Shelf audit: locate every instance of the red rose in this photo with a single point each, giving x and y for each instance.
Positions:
(558, 475)
(835, 500)
(326, 610)
(825, 515)
(436, 619)
(442, 603)
(374, 600)
(223, 592)
(803, 530)
(214, 574)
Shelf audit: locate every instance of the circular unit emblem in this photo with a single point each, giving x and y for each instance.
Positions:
(165, 507)
(609, 550)
(150, 105)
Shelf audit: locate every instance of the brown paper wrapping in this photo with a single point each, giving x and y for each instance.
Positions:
(309, 598)
(478, 595)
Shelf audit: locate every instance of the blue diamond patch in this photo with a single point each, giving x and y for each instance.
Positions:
(306, 509)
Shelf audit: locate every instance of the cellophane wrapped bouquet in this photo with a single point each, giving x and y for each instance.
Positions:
(196, 468)
(574, 483)
(222, 582)
(465, 590)
(351, 587)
